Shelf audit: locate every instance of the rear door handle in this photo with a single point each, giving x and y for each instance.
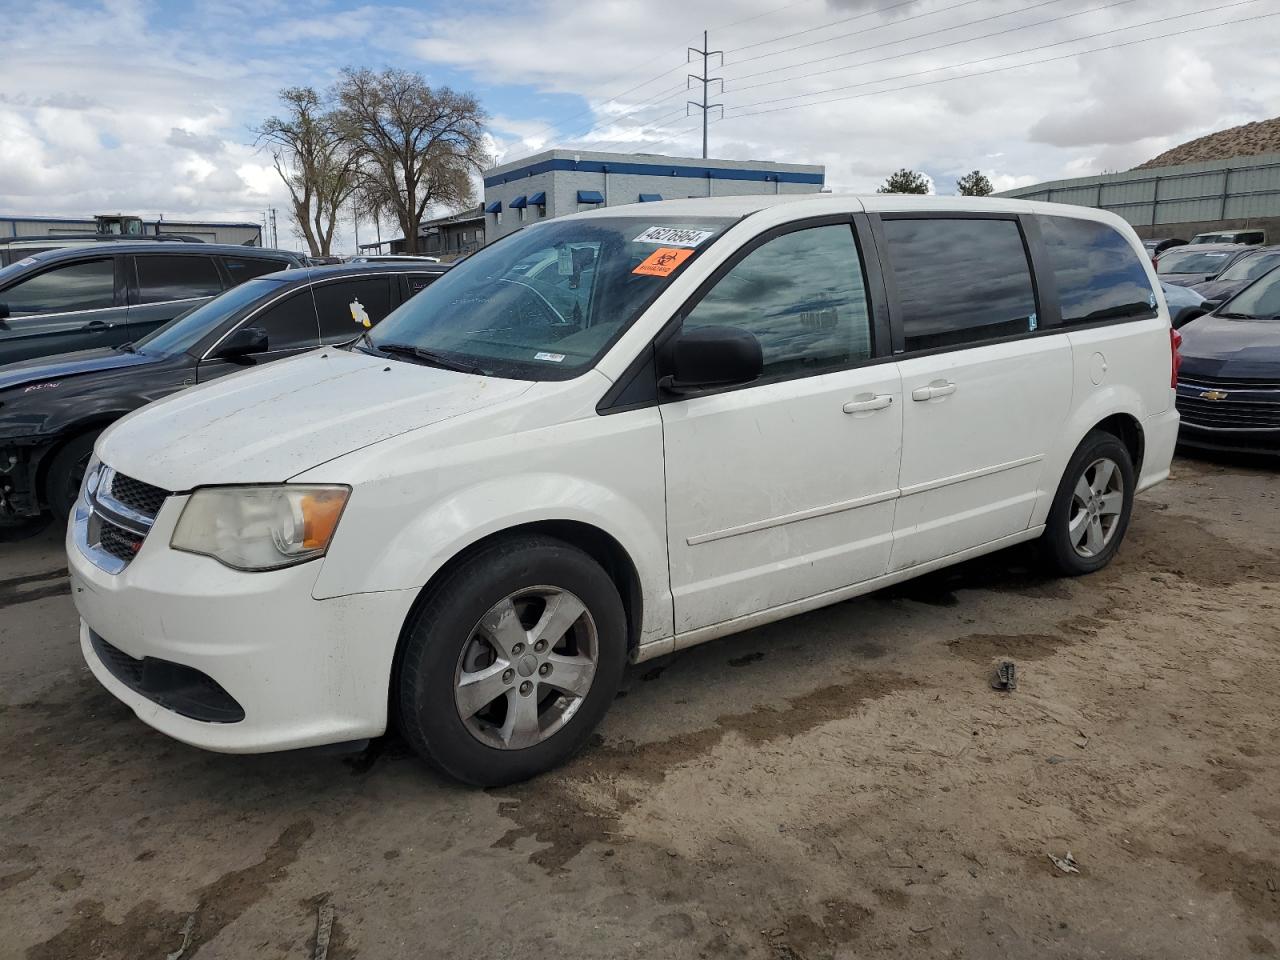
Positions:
(939, 388)
(869, 402)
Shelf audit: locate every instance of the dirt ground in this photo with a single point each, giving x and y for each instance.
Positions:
(844, 784)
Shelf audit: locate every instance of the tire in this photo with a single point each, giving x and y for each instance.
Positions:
(461, 647)
(65, 473)
(1091, 510)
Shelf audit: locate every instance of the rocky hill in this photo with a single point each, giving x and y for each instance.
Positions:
(1262, 136)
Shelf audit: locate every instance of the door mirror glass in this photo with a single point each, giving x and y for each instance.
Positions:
(4, 311)
(243, 343)
(702, 358)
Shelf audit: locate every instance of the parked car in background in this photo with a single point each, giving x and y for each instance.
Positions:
(1184, 303)
(18, 248)
(106, 294)
(1240, 274)
(53, 408)
(1157, 246)
(1250, 237)
(1196, 263)
(750, 407)
(1229, 387)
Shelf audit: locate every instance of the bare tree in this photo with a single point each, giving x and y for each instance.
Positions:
(315, 162)
(417, 147)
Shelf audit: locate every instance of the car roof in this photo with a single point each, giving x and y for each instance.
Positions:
(817, 204)
(1202, 247)
(329, 271)
(164, 247)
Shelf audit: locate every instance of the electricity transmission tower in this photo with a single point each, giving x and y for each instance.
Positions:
(706, 82)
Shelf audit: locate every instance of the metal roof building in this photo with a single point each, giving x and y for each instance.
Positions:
(244, 234)
(559, 182)
(1179, 200)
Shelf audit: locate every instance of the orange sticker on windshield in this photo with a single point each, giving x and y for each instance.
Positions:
(662, 261)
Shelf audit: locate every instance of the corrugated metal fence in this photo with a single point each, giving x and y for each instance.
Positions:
(1243, 188)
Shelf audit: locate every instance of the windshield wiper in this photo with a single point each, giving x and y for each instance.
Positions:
(428, 357)
(1240, 316)
(127, 347)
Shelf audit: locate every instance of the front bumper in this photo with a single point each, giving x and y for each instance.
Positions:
(1230, 416)
(305, 672)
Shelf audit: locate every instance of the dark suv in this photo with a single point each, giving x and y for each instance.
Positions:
(104, 295)
(52, 409)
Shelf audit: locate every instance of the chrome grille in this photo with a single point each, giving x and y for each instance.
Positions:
(1221, 403)
(115, 516)
(136, 495)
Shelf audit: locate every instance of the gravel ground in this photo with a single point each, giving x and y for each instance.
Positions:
(843, 784)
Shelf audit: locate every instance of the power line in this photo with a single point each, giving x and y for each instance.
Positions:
(997, 56)
(835, 23)
(1014, 66)
(761, 16)
(911, 53)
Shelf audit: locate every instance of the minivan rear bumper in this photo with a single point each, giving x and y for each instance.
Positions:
(232, 661)
(1160, 436)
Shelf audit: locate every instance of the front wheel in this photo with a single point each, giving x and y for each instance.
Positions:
(66, 474)
(512, 661)
(1091, 509)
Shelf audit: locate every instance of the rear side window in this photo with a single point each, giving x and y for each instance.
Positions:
(959, 281)
(241, 269)
(89, 285)
(162, 278)
(803, 297)
(420, 281)
(343, 305)
(290, 323)
(1099, 276)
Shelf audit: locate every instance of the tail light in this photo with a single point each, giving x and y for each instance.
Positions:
(1175, 356)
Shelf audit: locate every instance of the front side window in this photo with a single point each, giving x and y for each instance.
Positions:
(184, 331)
(544, 303)
(1099, 277)
(960, 281)
(290, 323)
(89, 285)
(162, 278)
(803, 297)
(343, 306)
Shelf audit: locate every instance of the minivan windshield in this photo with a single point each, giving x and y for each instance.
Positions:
(1251, 267)
(545, 302)
(1258, 301)
(187, 329)
(1184, 260)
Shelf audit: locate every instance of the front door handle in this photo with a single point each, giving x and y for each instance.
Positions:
(867, 402)
(938, 388)
(96, 325)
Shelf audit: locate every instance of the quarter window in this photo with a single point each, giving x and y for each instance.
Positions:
(802, 295)
(342, 304)
(960, 281)
(162, 278)
(89, 285)
(1098, 274)
(241, 269)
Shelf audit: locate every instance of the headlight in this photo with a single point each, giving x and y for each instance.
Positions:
(89, 484)
(260, 528)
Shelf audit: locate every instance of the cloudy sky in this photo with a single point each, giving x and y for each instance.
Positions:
(146, 106)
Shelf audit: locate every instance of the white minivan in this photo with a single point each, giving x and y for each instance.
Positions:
(609, 436)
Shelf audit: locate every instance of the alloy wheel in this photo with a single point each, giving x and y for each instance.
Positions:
(1096, 505)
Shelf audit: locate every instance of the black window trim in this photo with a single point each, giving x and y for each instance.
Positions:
(1047, 316)
(117, 290)
(393, 287)
(647, 363)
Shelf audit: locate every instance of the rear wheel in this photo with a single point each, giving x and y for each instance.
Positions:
(66, 474)
(512, 661)
(1092, 507)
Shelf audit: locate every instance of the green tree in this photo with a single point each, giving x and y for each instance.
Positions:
(315, 161)
(905, 181)
(417, 146)
(974, 184)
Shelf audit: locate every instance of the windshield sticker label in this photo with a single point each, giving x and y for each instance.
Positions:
(1032, 322)
(673, 236)
(1215, 254)
(550, 357)
(1151, 300)
(662, 262)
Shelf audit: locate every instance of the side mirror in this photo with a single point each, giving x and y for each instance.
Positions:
(1185, 315)
(243, 343)
(4, 311)
(707, 357)
(1208, 306)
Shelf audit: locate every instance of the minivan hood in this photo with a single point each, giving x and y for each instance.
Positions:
(42, 369)
(268, 425)
(1247, 349)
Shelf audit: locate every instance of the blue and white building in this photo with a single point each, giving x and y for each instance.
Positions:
(559, 182)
